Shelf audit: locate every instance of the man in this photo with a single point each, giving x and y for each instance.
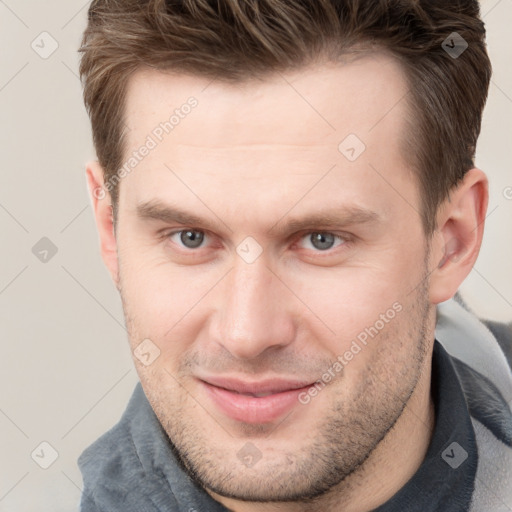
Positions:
(286, 200)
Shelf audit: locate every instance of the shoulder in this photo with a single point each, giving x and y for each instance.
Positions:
(108, 458)
(114, 477)
(503, 334)
(480, 351)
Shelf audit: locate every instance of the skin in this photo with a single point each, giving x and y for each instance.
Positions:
(248, 159)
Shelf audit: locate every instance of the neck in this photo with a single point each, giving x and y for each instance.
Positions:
(387, 469)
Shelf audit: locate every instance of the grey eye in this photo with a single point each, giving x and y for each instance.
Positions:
(191, 239)
(322, 241)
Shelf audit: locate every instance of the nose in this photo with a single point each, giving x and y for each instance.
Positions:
(254, 311)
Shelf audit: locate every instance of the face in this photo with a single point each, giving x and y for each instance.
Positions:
(277, 271)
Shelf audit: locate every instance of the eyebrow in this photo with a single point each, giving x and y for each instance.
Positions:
(337, 217)
(324, 219)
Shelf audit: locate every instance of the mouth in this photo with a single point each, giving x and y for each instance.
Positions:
(253, 402)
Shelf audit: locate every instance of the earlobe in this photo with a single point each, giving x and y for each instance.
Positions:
(456, 243)
(102, 206)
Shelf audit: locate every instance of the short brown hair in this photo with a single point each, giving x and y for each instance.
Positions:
(234, 40)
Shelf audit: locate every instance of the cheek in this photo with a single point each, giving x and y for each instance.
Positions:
(349, 299)
(347, 308)
(159, 297)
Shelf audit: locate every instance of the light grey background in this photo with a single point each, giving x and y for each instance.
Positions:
(66, 371)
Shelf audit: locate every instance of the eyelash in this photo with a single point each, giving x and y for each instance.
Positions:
(345, 239)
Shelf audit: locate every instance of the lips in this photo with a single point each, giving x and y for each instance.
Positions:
(269, 386)
(253, 402)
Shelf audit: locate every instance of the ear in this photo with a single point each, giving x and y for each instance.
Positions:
(457, 240)
(102, 206)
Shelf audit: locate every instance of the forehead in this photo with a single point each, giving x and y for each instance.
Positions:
(299, 107)
(271, 132)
